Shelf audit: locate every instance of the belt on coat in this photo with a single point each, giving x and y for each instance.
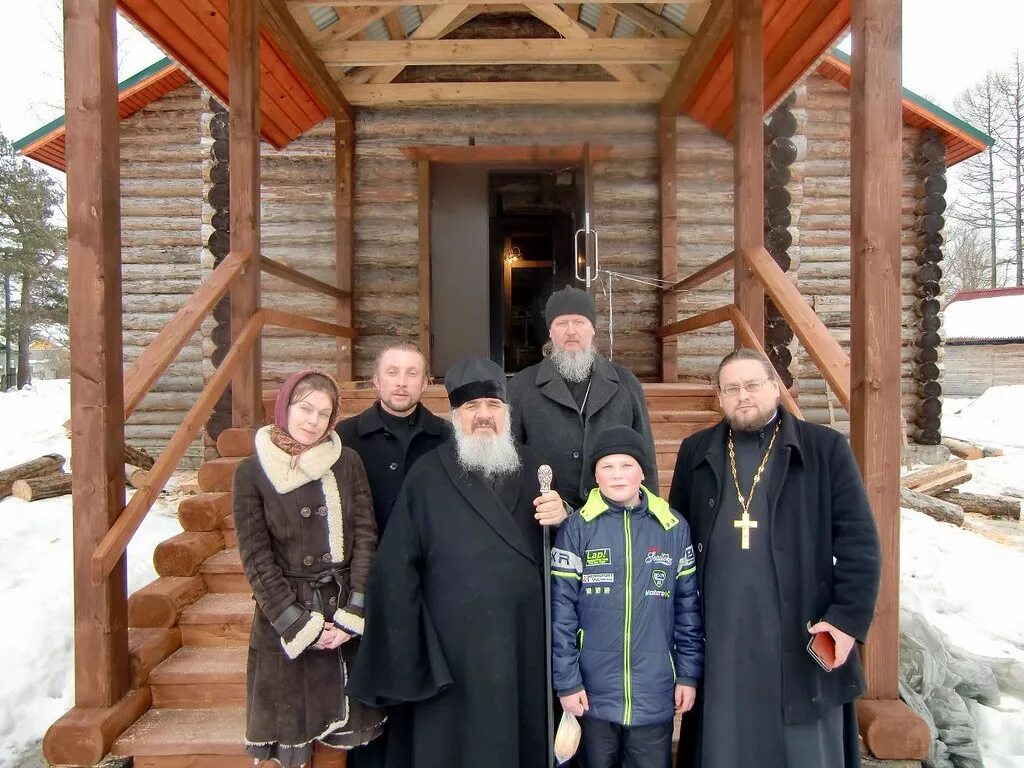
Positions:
(319, 581)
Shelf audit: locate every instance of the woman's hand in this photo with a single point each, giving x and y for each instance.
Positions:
(575, 703)
(331, 638)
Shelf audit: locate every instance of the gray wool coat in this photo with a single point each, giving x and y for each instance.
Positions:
(546, 418)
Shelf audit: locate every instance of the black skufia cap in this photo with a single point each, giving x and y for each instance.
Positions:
(474, 377)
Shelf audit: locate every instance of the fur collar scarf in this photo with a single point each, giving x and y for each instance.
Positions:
(286, 472)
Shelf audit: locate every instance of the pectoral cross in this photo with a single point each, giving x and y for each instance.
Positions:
(745, 523)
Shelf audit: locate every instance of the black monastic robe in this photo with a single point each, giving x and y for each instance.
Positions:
(742, 723)
(454, 642)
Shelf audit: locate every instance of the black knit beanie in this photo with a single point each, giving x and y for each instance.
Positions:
(614, 440)
(570, 301)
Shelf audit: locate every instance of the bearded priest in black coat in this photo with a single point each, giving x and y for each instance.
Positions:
(454, 640)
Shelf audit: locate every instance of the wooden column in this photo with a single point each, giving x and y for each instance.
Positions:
(669, 243)
(875, 177)
(97, 393)
(424, 269)
(344, 163)
(244, 106)
(748, 154)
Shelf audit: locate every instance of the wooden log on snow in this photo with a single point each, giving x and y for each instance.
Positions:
(137, 457)
(1002, 507)
(134, 476)
(44, 465)
(43, 487)
(963, 449)
(941, 477)
(943, 511)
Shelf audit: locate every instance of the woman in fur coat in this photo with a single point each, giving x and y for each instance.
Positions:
(306, 534)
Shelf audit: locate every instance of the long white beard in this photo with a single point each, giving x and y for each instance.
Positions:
(491, 455)
(574, 366)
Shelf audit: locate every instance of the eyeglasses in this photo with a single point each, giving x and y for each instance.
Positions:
(751, 386)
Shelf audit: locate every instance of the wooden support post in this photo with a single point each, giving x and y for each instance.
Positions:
(875, 418)
(424, 269)
(344, 224)
(748, 164)
(669, 243)
(244, 131)
(97, 393)
(875, 176)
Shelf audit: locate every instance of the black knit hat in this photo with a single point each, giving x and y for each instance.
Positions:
(570, 301)
(614, 440)
(473, 377)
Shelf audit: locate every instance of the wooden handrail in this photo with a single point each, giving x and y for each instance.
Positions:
(113, 545)
(292, 275)
(820, 344)
(703, 320)
(710, 272)
(302, 323)
(749, 339)
(143, 373)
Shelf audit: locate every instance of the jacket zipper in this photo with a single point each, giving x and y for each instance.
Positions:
(627, 635)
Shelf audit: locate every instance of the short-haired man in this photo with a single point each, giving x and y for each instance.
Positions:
(560, 404)
(398, 429)
(787, 550)
(454, 642)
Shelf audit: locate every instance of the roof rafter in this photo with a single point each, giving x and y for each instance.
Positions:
(713, 30)
(576, 92)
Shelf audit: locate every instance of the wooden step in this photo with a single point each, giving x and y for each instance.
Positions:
(185, 553)
(223, 573)
(217, 619)
(236, 441)
(217, 731)
(217, 474)
(204, 511)
(194, 678)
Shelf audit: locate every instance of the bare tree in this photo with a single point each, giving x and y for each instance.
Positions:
(982, 186)
(967, 266)
(1011, 88)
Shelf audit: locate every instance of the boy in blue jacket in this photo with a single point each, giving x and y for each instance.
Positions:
(627, 636)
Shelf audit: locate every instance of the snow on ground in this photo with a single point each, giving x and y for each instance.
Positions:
(36, 674)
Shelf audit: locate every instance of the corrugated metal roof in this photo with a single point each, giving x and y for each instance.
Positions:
(990, 318)
(589, 14)
(410, 17)
(623, 28)
(323, 16)
(377, 31)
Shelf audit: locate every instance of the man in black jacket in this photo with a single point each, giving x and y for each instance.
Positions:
(395, 431)
(787, 550)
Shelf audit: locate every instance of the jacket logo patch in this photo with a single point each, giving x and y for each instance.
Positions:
(599, 556)
(598, 578)
(661, 558)
(658, 577)
(658, 593)
(563, 559)
(687, 559)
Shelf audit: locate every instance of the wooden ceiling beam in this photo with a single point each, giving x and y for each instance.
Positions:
(577, 92)
(435, 25)
(555, 18)
(351, 24)
(649, 21)
(299, 50)
(393, 21)
(437, 3)
(628, 50)
(713, 31)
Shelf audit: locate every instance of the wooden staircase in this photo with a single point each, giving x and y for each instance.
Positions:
(190, 627)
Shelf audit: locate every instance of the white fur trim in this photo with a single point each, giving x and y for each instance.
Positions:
(306, 636)
(335, 518)
(286, 472)
(349, 622)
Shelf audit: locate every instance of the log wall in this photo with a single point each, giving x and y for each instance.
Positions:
(973, 368)
(162, 249)
(824, 273)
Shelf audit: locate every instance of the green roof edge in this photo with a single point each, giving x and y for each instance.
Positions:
(932, 107)
(124, 85)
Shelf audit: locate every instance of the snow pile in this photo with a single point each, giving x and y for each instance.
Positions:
(962, 641)
(996, 418)
(36, 659)
(990, 317)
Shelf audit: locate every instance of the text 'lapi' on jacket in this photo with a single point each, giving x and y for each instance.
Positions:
(626, 623)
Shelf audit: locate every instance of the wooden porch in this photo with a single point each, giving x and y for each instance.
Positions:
(279, 75)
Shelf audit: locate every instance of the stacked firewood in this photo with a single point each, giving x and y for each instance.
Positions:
(934, 490)
(44, 477)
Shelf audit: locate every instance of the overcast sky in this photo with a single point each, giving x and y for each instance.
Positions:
(947, 46)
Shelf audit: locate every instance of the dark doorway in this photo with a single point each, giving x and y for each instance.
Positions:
(532, 221)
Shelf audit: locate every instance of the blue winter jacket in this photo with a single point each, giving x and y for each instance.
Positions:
(626, 623)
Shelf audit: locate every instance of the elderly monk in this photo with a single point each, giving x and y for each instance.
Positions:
(454, 641)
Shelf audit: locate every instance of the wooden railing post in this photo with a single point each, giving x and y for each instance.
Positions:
(344, 163)
(244, 98)
(748, 154)
(669, 242)
(97, 394)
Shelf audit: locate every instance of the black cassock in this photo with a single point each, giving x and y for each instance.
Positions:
(454, 642)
